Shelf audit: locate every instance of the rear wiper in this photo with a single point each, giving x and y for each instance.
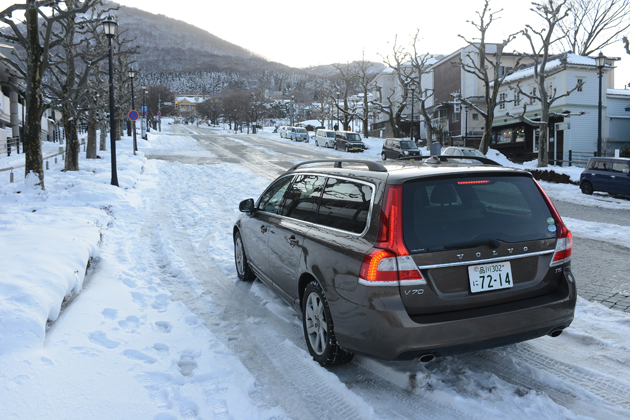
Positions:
(492, 243)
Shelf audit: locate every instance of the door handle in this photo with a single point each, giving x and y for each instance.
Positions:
(263, 229)
(292, 241)
(612, 176)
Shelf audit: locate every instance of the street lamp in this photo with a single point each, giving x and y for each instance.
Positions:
(109, 27)
(132, 75)
(143, 124)
(338, 93)
(413, 86)
(292, 109)
(600, 61)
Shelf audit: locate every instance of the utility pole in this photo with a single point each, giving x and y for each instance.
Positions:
(159, 113)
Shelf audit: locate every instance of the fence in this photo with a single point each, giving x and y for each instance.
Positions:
(12, 145)
(46, 160)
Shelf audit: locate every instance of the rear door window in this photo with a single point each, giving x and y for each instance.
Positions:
(345, 205)
(452, 213)
(302, 197)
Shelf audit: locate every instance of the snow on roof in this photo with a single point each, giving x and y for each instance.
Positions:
(569, 58)
(622, 92)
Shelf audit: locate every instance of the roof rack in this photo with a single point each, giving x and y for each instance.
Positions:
(371, 165)
(438, 159)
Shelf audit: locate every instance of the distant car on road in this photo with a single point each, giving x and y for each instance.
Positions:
(348, 141)
(606, 174)
(325, 138)
(463, 151)
(298, 134)
(399, 149)
(284, 132)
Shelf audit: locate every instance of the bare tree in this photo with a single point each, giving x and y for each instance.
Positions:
(344, 87)
(363, 75)
(594, 24)
(421, 64)
(388, 102)
(552, 13)
(36, 47)
(488, 70)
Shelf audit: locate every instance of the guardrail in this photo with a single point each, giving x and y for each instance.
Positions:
(61, 153)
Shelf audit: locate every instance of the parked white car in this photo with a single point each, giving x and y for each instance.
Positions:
(325, 138)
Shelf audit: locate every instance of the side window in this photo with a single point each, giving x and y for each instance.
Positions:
(271, 199)
(302, 198)
(345, 205)
(619, 166)
(600, 165)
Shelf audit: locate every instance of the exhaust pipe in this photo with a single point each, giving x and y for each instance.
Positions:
(555, 333)
(426, 358)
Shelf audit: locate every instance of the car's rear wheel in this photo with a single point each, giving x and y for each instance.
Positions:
(347, 149)
(318, 328)
(316, 143)
(242, 267)
(383, 156)
(587, 188)
(335, 146)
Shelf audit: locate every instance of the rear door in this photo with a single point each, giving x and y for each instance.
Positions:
(620, 180)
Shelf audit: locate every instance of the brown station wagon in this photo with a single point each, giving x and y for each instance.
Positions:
(410, 259)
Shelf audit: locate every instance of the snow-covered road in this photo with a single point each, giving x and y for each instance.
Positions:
(163, 329)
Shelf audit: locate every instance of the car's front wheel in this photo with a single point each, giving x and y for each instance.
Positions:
(383, 156)
(318, 328)
(242, 267)
(347, 149)
(587, 188)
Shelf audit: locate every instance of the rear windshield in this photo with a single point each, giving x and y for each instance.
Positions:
(330, 134)
(300, 130)
(457, 213)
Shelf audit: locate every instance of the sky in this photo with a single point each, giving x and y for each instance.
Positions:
(145, 335)
(302, 34)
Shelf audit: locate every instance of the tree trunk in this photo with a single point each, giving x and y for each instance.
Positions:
(103, 142)
(34, 99)
(72, 139)
(486, 140)
(543, 150)
(91, 139)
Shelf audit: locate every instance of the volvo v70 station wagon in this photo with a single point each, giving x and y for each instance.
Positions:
(410, 259)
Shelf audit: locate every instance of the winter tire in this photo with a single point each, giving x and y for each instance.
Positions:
(383, 156)
(587, 188)
(347, 150)
(242, 267)
(318, 328)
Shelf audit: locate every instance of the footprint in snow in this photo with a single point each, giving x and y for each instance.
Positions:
(129, 283)
(100, 338)
(161, 302)
(138, 355)
(191, 320)
(110, 313)
(162, 349)
(130, 324)
(164, 326)
(187, 364)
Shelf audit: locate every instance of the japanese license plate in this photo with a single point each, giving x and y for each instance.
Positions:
(490, 277)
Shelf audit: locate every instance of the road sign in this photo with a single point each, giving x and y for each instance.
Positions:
(168, 103)
(133, 115)
(159, 114)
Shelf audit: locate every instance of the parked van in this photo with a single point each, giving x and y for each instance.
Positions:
(348, 141)
(325, 138)
(606, 174)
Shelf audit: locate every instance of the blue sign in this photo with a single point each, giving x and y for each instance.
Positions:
(133, 115)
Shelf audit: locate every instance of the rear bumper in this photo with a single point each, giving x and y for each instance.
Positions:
(384, 329)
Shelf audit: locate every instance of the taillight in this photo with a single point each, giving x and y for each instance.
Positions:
(389, 260)
(564, 245)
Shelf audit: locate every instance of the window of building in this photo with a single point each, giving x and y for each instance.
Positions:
(475, 116)
(455, 116)
(533, 94)
(502, 99)
(517, 99)
(580, 83)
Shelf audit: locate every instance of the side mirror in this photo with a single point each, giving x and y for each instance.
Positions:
(247, 206)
